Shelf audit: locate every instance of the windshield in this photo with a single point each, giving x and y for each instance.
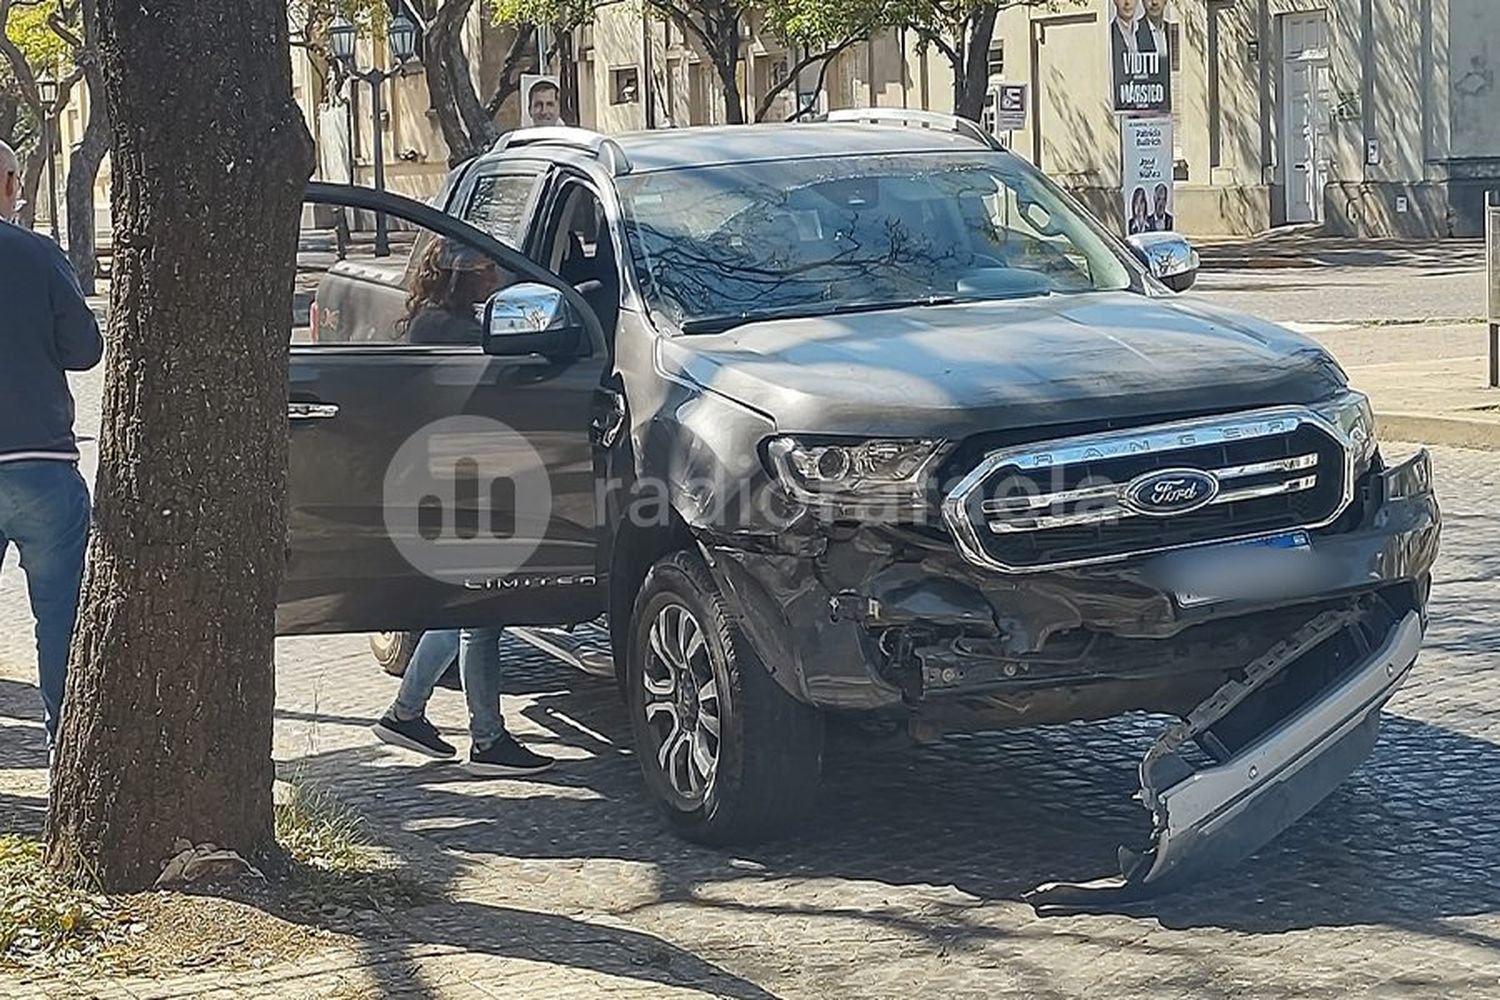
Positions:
(716, 245)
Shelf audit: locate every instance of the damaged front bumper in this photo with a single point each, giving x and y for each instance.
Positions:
(1209, 817)
(1280, 695)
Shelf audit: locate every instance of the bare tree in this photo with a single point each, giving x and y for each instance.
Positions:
(467, 125)
(24, 77)
(714, 26)
(962, 30)
(78, 25)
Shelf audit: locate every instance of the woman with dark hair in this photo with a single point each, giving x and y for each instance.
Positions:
(1140, 212)
(451, 284)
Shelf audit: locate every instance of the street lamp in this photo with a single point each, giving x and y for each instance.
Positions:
(402, 35)
(46, 90)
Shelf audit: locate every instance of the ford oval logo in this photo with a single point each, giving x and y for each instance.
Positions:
(1170, 492)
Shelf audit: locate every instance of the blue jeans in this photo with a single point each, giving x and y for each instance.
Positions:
(44, 511)
(478, 652)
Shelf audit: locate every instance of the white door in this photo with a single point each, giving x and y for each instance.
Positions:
(1304, 141)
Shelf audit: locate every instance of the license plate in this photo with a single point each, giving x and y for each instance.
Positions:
(1206, 572)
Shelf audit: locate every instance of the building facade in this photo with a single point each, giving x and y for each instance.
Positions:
(1366, 117)
(1369, 117)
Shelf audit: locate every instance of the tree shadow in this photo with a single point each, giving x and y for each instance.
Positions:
(23, 747)
(1406, 841)
(1289, 246)
(20, 700)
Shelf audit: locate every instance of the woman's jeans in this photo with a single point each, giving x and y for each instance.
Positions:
(44, 512)
(478, 652)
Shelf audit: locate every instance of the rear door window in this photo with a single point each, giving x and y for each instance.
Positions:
(501, 203)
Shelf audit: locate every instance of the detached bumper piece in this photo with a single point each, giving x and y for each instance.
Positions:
(1281, 736)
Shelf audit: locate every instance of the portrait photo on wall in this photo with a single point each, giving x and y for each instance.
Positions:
(541, 101)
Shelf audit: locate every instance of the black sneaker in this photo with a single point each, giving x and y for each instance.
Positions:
(414, 734)
(505, 758)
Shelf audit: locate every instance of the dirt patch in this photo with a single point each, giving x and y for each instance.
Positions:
(181, 932)
(331, 887)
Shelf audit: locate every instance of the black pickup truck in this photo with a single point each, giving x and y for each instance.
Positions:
(859, 417)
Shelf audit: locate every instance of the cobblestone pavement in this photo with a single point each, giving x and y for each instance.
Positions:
(908, 877)
(906, 882)
(1360, 283)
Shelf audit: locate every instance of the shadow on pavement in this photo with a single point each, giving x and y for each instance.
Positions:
(1331, 251)
(1407, 841)
(23, 746)
(20, 700)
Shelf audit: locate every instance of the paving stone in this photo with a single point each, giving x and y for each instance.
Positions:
(907, 880)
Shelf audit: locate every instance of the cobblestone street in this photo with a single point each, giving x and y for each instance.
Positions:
(907, 881)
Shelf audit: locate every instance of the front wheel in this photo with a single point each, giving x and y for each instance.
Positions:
(727, 754)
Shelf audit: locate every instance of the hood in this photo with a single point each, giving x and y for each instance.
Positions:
(957, 369)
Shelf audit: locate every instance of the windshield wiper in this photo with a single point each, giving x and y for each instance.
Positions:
(728, 321)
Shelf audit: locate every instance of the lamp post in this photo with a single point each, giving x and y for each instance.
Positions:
(402, 33)
(46, 89)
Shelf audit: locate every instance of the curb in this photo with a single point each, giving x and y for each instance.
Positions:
(1211, 262)
(1426, 428)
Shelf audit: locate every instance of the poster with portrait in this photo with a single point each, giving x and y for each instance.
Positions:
(541, 100)
(1150, 205)
(1140, 41)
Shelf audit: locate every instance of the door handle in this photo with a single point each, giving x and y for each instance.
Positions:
(311, 411)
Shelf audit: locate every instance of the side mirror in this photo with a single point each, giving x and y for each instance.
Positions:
(1171, 258)
(531, 318)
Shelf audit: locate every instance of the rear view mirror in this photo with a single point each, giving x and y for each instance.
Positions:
(531, 318)
(1170, 256)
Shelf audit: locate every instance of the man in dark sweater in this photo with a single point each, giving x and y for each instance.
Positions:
(46, 331)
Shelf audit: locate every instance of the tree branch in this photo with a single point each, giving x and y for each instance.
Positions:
(510, 80)
(817, 89)
(793, 73)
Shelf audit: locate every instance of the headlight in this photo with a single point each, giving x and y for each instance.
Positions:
(861, 472)
(1351, 414)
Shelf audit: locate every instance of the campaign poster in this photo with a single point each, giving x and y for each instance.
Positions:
(1140, 39)
(1149, 197)
(541, 100)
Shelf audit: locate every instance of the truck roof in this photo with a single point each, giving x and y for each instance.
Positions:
(715, 145)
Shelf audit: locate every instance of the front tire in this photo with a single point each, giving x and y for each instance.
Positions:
(726, 753)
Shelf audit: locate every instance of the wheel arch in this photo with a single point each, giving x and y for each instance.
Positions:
(636, 548)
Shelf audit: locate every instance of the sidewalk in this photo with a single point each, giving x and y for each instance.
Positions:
(1303, 247)
(1427, 383)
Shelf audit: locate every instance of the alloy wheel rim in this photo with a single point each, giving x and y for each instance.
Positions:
(683, 710)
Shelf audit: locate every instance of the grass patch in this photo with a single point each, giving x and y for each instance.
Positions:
(334, 878)
(335, 868)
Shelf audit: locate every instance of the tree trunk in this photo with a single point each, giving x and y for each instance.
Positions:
(33, 166)
(167, 729)
(467, 124)
(477, 122)
(443, 40)
(567, 74)
(10, 114)
(83, 173)
(971, 76)
(83, 167)
(726, 58)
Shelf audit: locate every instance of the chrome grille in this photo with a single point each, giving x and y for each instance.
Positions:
(1062, 503)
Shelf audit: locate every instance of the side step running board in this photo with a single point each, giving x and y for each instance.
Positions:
(570, 649)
